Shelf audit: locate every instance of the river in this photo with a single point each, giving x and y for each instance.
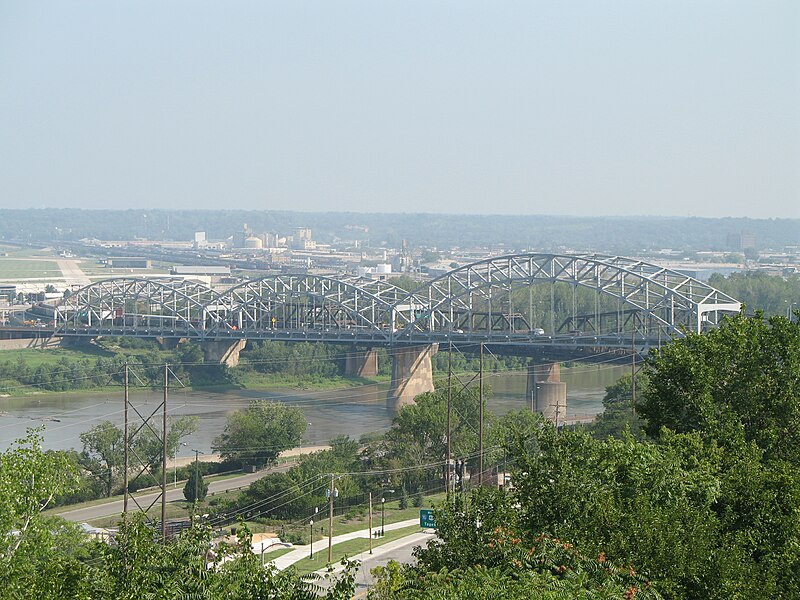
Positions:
(350, 411)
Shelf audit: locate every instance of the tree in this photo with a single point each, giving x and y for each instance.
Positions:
(50, 289)
(259, 433)
(150, 448)
(481, 552)
(419, 434)
(741, 376)
(618, 415)
(31, 480)
(196, 489)
(103, 453)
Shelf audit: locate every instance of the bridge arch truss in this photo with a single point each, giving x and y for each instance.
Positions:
(519, 296)
(310, 302)
(636, 297)
(135, 305)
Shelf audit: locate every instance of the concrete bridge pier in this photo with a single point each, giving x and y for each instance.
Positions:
(361, 363)
(546, 392)
(224, 352)
(412, 374)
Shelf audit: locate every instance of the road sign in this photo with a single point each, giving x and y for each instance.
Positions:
(426, 520)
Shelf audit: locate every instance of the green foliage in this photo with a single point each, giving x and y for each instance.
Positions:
(618, 416)
(47, 558)
(315, 362)
(102, 368)
(403, 498)
(760, 291)
(150, 448)
(481, 553)
(404, 282)
(31, 480)
(741, 377)
(419, 435)
(259, 433)
(104, 445)
(103, 452)
(294, 494)
(196, 488)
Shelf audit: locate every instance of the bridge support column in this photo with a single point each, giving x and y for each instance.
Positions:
(412, 374)
(224, 352)
(167, 343)
(546, 392)
(361, 364)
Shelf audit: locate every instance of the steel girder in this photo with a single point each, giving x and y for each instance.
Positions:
(135, 304)
(298, 302)
(672, 300)
(467, 300)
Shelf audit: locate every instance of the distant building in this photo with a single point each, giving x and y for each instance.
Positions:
(742, 240)
(8, 293)
(202, 271)
(380, 271)
(128, 262)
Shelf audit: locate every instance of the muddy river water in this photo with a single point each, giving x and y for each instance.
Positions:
(350, 411)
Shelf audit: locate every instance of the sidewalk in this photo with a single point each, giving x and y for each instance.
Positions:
(301, 552)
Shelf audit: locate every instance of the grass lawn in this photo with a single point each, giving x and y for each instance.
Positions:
(34, 357)
(348, 548)
(27, 269)
(255, 380)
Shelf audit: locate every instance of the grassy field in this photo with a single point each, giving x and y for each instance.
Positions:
(17, 252)
(255, 380)
(12, 268)
(34, 357)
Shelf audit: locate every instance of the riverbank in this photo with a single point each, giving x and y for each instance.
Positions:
(33, 372)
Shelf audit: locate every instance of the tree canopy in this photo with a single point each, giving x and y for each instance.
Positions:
(259, 433)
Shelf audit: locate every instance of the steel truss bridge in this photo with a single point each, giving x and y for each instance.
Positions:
(534, 299)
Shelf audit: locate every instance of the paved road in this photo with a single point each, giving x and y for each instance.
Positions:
(400, 550)
(89, 513)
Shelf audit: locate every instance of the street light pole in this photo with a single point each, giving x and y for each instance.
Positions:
(383, 512)
(196, 474)
(175, 464)
(332, 493)
(370, 522)
(311, 524)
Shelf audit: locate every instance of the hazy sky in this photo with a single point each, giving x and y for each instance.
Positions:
(559, 107)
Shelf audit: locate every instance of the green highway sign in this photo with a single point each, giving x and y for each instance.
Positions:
(426, 520)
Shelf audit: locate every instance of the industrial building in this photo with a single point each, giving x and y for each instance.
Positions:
(8, 293)
(201, 271)
(128, 262)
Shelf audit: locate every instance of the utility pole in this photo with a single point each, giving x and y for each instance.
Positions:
(125, 452)
(633, 373)
(449, 475)
(196, 475)
(164, 458)
(330, 522)
(480, 425)
(370, 522)
(558, 405)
